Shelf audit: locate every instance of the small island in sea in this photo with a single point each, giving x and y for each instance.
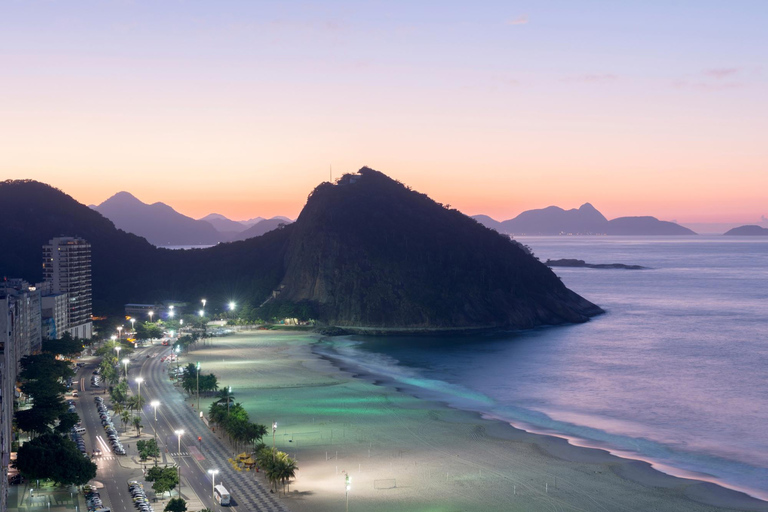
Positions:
(565, 262)
(748, 230)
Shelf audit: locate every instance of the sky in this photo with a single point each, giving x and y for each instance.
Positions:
(494, 107)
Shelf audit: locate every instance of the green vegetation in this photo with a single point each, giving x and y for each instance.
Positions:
(277, 466)
(42, 377)
(148, 330)
(176, 505)
(119, 394)
(164, 479)
(67, 346)
(52, 457)
(148, 449)
(137, 425)
(234, 421)
(208, 382)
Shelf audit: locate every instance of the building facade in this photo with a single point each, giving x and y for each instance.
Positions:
(67, 268)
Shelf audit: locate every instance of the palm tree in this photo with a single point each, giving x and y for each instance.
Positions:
(125, 417)
(137, 425)
(285, 468)
(118, 408)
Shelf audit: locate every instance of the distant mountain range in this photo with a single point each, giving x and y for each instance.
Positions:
(585, 220)
(749, 230)
(162, 226)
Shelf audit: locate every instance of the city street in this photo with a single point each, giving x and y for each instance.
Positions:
(197, 458)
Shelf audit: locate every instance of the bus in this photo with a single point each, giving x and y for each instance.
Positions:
(221, 494)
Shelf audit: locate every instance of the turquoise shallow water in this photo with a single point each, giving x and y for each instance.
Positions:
(675, 372)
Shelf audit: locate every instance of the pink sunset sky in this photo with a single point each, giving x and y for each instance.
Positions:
(240, 107)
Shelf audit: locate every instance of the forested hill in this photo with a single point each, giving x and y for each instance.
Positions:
(370, 252)
(127, 268)
(365, 252)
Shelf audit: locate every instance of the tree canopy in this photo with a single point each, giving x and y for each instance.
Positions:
(67, 345)
(50, 456)
(176, 505)
(163, 479)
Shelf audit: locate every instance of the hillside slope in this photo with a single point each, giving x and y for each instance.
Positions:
(370, 252)
(125, 267)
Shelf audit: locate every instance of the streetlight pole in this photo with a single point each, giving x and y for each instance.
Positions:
(274, 429)
(213, 473)
(348, 481)
(125, 362)
(119, 332)
(197, 374)
(133, 324)
(179, 433)
(117, 349)
(151, 314)
(229, 390)
(154, 404)
(139, 380)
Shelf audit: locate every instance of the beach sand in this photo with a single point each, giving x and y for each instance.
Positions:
(409, 454)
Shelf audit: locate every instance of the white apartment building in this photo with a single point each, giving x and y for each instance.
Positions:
(67, 268)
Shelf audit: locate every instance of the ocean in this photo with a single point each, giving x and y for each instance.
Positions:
(675, 373)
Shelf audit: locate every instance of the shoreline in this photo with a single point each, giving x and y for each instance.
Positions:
(643, 471)
(459, 458)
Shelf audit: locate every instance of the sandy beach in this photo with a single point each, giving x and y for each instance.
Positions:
(409, 454)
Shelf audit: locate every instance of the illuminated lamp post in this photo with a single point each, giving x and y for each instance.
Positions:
(348, 482)
(213, 473)
(125, 362)
(139, 380)
(155, 404)
(197, 374)
(179, 433)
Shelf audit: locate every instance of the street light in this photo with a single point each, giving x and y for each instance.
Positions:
(117, 349)
(151, 314)
(203, 301)
(201, 313)
(197, 374)
(125, 362)
(229, 390)
(348, 482)
(133, 324)
(139, 380)
(179, 433)
(213, 473)
(119, 331)
(155, 404)
(274, 429)
(171, 313)
(231, 305)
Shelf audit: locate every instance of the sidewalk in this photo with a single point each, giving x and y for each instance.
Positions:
(24, 497)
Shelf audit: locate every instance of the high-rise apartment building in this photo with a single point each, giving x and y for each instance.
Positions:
(67, 267)
(19, 336)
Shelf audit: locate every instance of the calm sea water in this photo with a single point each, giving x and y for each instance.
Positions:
(675, 373)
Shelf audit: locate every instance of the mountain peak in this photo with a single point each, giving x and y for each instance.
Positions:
(123, 198)
(370, 252)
